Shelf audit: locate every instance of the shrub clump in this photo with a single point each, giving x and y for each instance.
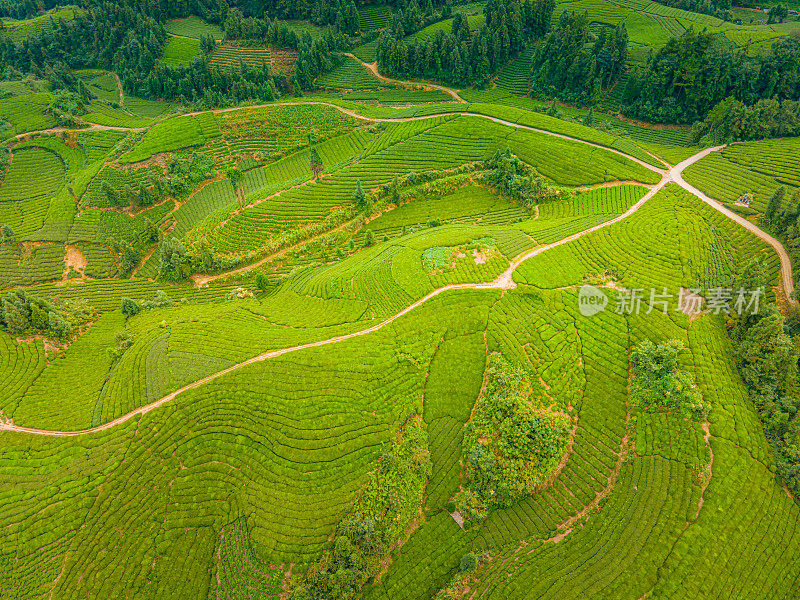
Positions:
(510, 446)
(659, 383)
(386, 507)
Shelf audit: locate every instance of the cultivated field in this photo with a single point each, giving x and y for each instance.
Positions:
(338, 345)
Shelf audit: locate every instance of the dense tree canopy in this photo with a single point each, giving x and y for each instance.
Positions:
(689, 76)
(463, 56)
(731, 120)
(568, 66)
(767, 356)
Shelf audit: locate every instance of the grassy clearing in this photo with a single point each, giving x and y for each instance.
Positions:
(174, 134)
(470, 204)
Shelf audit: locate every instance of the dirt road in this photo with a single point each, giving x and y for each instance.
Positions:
(503, 282)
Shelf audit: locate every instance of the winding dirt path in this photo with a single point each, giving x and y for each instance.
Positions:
(503, 282)
(60, 129)
(786, 263)
(373, 68)
(119, 87)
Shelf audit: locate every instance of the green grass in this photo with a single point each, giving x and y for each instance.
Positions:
(704, 236)
(34, 176)
(420, 146)
(23, 266)
(367, 52)
(147, 108)
(103, 114)
(470, 204)
(398, 96)
(230, 56)
(102, 84)
(758, 168)
(26, 112)
(174, 134)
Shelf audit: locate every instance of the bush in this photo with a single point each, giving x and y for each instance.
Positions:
(129, 308)
(469, 562)
(658, 382)
(161, 300)
(261, 281)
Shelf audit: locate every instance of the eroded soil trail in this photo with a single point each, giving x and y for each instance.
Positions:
(373, 68)
(503, 282)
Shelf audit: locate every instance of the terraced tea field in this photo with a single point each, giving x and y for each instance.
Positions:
(180, 50)
(334, 340)
(18, 31)
(229, 55)
(193, 27)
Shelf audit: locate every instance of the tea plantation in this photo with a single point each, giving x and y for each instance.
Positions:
(382, 338)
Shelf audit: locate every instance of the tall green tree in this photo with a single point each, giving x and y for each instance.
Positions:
(316, 163)
(359, 196)
(774, 205)
(235, 176)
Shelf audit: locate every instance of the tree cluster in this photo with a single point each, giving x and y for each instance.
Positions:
(767, 350)
(658, 382)
(465, 57)
(777, 14)
(571, 64)
(388, 504)
(317, 56)
(319, 12)
(509, 447)
(692, 74)
(782, 216)
(22, 313)
(731, 121)
(515, 179)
